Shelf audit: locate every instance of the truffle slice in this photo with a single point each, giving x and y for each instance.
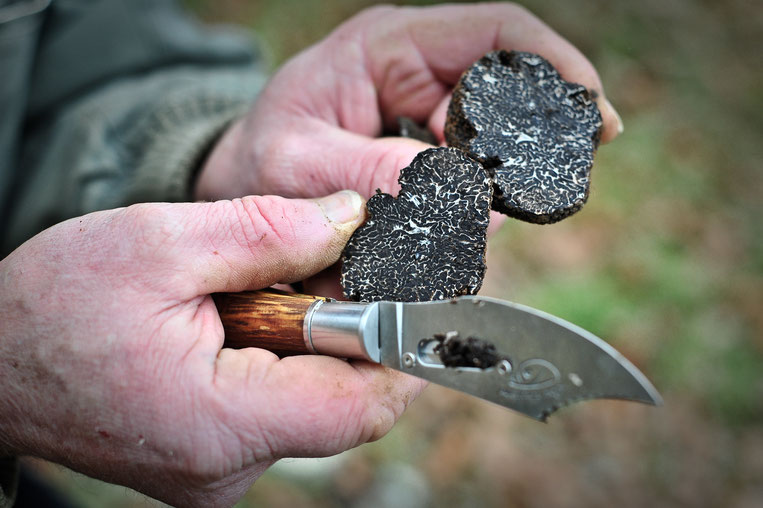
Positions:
(535, 132)
(428, 243)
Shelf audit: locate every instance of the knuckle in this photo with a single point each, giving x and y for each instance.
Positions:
(275, 160)
(357, 27)
(386, 405)
(263, 221)
(197, 470)
(380, 421)
(517, 10)
(372, 14)
(514, 12)
(149, 228)
(201, 470)
(142, 217)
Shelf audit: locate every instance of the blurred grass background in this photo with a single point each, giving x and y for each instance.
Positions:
(665, 262)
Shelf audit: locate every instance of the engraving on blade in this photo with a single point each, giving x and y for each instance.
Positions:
(535, 374)
(549, 364)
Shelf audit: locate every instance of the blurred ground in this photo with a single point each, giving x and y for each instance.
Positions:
(665, 262)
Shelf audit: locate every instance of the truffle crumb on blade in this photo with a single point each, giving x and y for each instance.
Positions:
(470, 352)
(428, 243)
(535, 132)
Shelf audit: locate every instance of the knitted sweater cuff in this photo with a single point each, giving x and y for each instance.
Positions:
(176, 144)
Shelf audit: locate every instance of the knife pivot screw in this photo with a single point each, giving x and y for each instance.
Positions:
(409, 360)
(503, 367)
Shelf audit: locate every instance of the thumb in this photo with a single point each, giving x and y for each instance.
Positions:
(258, 241)
(340, 159)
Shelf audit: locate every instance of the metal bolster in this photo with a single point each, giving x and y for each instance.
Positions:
(306, 324)
(343, 329)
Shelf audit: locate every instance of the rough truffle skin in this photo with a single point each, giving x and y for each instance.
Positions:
(428, 243)
(535, 132)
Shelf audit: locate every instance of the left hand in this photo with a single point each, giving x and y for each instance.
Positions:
(314, 129)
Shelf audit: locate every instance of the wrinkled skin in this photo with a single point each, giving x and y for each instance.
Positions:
(314, 129)
(110, 346)
(111, 349)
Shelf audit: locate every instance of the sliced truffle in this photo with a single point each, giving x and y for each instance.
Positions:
(535, 132)
(428, 243)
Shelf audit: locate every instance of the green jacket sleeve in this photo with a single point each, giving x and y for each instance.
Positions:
(117, 102)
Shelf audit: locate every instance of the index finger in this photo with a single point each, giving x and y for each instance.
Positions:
(309, 405)
(416, 59)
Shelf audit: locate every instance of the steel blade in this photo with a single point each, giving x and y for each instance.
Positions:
(549, 363)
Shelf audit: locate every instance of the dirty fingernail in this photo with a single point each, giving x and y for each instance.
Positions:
(341, 207)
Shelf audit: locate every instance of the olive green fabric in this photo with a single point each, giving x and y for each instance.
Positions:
(107, 103)
(104, 103)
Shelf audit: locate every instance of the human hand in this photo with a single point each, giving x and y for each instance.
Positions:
(315, 127)
(111, 359)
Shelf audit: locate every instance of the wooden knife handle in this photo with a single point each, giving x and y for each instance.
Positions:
(267, 319)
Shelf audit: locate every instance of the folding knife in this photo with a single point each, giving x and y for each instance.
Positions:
(503, 352)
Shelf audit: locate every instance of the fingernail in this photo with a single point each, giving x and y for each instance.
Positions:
(341, 207)
(620, 126)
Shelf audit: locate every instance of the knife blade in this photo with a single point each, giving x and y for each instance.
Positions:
(510, 354)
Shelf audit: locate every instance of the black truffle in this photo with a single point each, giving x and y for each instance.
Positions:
(428, 243)
(472, 352)
(535, 132)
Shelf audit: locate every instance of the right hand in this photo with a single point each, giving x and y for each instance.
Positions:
(111, 355)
